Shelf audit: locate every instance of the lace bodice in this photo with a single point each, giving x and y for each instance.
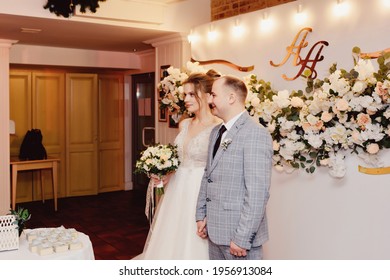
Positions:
(196, 149)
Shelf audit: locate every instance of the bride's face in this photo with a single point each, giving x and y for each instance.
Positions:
(191, 99)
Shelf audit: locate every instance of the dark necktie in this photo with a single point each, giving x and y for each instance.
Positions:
(222, 129)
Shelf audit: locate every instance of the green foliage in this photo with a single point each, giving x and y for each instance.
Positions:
(22, 215)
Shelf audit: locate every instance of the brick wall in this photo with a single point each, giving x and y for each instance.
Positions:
(228, 8)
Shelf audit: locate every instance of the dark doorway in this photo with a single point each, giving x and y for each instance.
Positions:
(143, 120)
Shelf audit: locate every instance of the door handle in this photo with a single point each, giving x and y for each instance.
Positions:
(143, 134)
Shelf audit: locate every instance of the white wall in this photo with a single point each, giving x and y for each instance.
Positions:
(40, 55)
(314, 216)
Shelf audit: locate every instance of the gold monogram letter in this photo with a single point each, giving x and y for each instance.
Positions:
(290, 49)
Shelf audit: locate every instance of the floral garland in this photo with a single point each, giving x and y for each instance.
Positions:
(348, 111)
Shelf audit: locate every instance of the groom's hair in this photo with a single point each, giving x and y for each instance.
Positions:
(237, 85)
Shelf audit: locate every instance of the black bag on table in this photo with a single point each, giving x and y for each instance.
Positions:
(32, 147)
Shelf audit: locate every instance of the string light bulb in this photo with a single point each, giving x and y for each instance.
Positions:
(192, 38)
(341, 8)
(266, 22)
(238, 29)
(212, 34)
(300, 16)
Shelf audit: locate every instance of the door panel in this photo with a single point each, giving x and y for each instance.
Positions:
(81, 134)
(48, 91)
(111, 131)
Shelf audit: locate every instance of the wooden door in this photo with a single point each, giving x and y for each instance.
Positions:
(37, 101)
(21, 112)
(48, 103)
(81, 134)
(111, 131)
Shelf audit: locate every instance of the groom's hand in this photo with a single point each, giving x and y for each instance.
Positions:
(202, 229)
(236, 250)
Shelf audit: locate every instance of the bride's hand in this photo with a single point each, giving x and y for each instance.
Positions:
(156, 179)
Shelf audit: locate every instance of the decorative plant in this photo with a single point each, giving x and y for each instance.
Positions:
(66, 8)
(21, 217)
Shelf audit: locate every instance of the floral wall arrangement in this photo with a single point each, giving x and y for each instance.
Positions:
(345, 113)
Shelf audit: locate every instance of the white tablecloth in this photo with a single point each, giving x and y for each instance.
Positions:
(23, 253)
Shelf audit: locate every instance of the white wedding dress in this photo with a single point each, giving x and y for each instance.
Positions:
(173, 231)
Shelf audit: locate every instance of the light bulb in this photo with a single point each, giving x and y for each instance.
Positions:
(341, 8)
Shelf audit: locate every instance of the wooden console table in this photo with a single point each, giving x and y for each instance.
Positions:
(23, 165)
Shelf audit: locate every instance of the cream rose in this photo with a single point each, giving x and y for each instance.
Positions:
(363, 119)
(326, 116)
(342, 105)
(296, 102)
(373, 148)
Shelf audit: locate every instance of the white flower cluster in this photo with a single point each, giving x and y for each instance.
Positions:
(345, 111)
(159, 160)
(171, 89)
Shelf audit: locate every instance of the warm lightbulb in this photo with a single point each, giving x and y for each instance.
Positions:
(192, 38)
(300, 16)
(212, 35)
(266, 23)
(341, 8)
(238, 29)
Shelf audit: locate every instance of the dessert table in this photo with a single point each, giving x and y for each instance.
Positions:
(23, 253)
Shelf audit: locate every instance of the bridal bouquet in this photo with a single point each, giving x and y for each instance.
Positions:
(158, 160)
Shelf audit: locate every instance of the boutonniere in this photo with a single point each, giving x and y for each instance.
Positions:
(225, 144)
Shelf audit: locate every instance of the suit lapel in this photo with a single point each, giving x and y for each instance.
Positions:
(230, 135)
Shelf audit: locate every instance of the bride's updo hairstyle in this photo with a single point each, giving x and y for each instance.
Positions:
(202, 82)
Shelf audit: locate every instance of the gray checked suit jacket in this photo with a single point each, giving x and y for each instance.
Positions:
(235, 186)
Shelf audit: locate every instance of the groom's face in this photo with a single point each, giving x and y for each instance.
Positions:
(218, 100)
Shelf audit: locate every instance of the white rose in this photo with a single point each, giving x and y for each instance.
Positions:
(271, 127)
(373, 148)
(324, 162)
(275, 145)
(342, 105)
(255, 101)
(312, 119)
(296, 102)
(279, 168)
(359, 87)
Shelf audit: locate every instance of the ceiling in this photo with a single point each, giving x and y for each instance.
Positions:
(79, 35)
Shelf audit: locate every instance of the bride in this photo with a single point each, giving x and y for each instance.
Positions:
(173, 232)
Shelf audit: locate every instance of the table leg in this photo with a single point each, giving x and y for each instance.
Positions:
(42, 177)
(55, 182)
(14, 171)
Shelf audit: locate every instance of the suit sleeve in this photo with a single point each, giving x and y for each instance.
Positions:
(257, 166)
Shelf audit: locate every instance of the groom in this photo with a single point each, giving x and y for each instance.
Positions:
(235, 186)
